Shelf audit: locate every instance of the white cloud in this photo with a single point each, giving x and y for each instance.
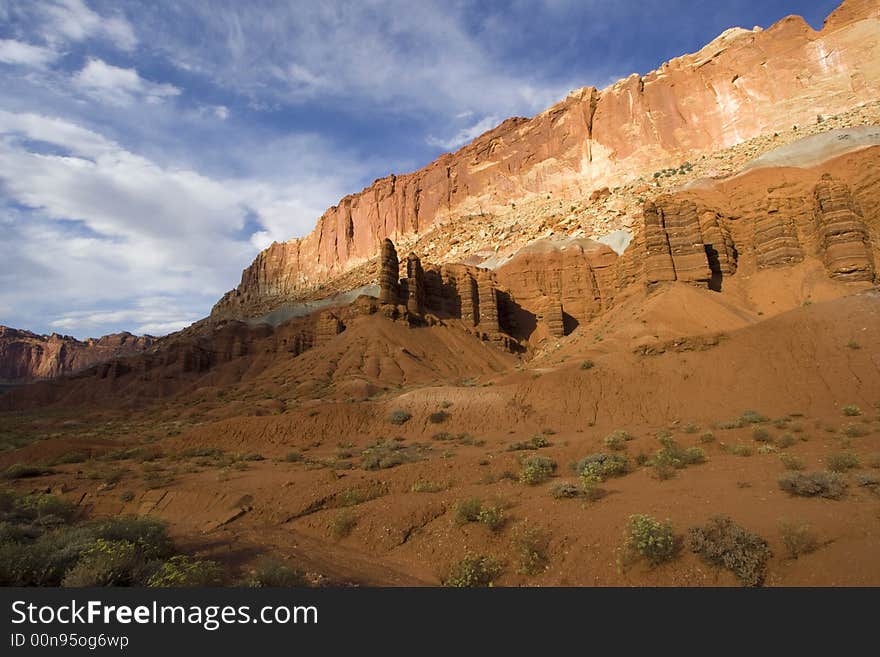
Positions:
(25, 54)
(106, 227)
(465, 135)
(73, 20)
(386, 54)
(120, 86)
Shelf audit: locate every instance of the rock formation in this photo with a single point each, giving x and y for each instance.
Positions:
(415, 289)
(26, 356)
(389, 271)
(843, 237)
(743, 84)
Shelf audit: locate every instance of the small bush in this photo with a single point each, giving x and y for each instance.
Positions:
(468, 510)
(842, 461)
(399, 416)
(106, 563)
(492, 517)
(473, 571)
(182, 571)
(587, 365)
(723, 543)
(428, 486)
(852, 344)
(343, 524)
(753, 417)
(869, 481)
(649, 539)
(438, 417)
(617, 440)
(739, 449)
(791, 462)
(530, 545)
(672, 457)
(851, 410)
(690, 427)
(798, 539)
(536, 470)
(767, 449)
(599, 467)
(565, 490)
(269, 572)
(707, 437)
(293, 457)
(535, 442)
(855, 430)
(814, 484)
(786, 440)
(761, 435)
(127, 496)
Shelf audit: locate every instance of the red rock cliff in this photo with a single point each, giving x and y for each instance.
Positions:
(26, 356)
(743, 84)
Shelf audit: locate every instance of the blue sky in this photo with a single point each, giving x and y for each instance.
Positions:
(149, 149)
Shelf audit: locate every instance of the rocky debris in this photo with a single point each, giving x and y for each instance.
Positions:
(26, 356)
(389, 272)
(738, 93)
(843, 236)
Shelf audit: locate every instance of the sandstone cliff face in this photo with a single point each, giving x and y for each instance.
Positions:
(26, 356)
(744, 83)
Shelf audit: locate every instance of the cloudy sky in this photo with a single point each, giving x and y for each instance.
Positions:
(149, 149)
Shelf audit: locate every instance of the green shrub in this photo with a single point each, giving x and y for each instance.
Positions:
(739, 449)
(649, 539)
(293, 457)
(473, 571)
(428, 486)
(786, 440)
(753, 417)
(599, 467)
(842, 461)
(530, 545)
(707, 437)
(565, 490)
(342, 524)
(672, 457)
(399, 416)
(855, 430)
(181, 571)
(269, 572)
(148, 535)
(587, 365)
(468, 510)
(723, 543)
(791, 462)
(851, 410)
(106, 563)
(690, 427)
(438, 417)
(492, 517)
(617, 440)
(535, 442)
(536, 470)
(798, 539)
(761, 435)
(814, 484)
